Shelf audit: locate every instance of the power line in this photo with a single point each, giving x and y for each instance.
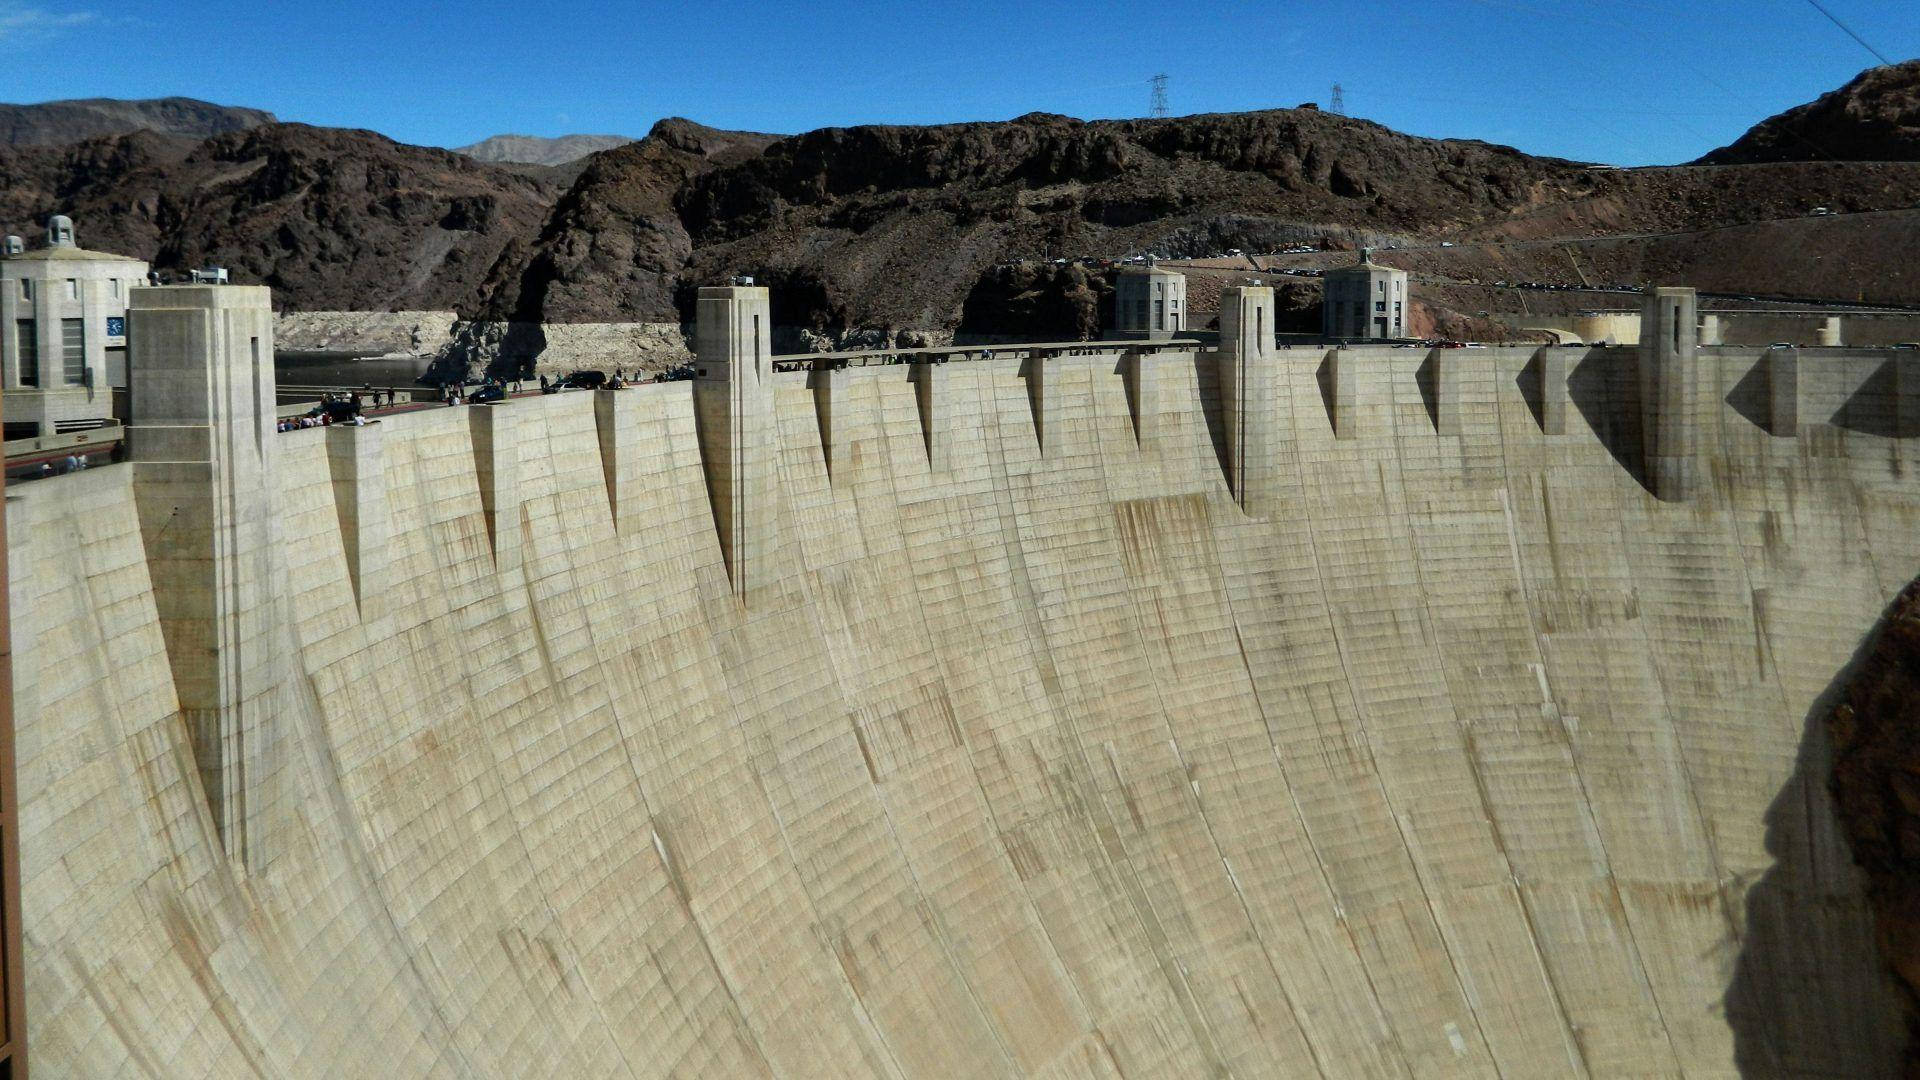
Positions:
(1831, 17)
(1159, 84)
(1338, 103)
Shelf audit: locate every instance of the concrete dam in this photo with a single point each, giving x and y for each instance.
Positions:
(1106, 710)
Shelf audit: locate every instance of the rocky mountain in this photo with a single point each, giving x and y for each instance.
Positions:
(904, 227)
(536, 150)
(331, 218)
(955, 228)
(56, 123)
(1876, 117)
(615, 248)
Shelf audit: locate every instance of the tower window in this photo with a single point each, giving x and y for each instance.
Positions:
(27, 335)
(259, 405)
(73, 351)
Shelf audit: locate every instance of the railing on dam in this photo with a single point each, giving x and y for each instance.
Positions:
(944, 354)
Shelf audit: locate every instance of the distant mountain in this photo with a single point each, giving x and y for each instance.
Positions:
(1876, 117)
(57, 123)
(331, 218)
(534, 150)
(957, 227)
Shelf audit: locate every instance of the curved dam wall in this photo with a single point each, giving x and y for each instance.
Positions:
(1029, 752)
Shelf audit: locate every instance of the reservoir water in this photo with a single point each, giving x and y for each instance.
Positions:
(293, 367)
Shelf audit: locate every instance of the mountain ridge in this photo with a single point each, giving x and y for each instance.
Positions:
(539, 149)
(57, 123)
(885, 227)
(1874, 117)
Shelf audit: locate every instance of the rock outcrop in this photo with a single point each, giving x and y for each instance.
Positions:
(332, 219)
(1876, 117)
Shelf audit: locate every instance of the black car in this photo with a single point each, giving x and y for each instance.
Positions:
(585, 380)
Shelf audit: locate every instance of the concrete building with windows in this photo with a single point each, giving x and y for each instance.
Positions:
(1149, 302)
(1365, 300)
(63, 338)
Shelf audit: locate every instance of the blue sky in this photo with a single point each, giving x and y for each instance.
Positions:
(1625, 81)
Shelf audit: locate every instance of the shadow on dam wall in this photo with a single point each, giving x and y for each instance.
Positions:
(1805, 944)
(1604, 388)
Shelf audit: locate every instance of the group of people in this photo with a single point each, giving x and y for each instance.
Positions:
(333, 409)
(492, 389)
(72, 463)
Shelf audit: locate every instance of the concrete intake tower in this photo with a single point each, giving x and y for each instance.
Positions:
(1096, 709)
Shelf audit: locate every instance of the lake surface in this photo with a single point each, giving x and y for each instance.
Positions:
(292, 367)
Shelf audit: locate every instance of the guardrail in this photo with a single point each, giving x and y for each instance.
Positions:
(51, 444)
(945, 354)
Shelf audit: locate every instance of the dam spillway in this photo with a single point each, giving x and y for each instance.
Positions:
(1114, 713)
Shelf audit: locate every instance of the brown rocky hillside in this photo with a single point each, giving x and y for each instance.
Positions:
(1876, 117)
(893, 228)
(331, 218)
(56, 123)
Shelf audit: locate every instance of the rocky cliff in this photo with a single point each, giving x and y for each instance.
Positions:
(331, 218)
(1876, 117)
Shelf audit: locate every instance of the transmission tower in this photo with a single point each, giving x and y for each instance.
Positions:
(1338, 106)
(1159, 84)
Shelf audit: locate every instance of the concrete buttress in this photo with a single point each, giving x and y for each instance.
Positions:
(1669, 383)
(1137, 372)
(930, 392)
(733, 412)
(1247, 375)
(202, 390)
(829, 406)
(1553, 391)
(1783, 392)
(496, 463)
(1343, 393)
(614, 423)
(1449, 373)
(357, 463)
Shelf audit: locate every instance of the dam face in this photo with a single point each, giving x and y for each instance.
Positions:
(1090, 714)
